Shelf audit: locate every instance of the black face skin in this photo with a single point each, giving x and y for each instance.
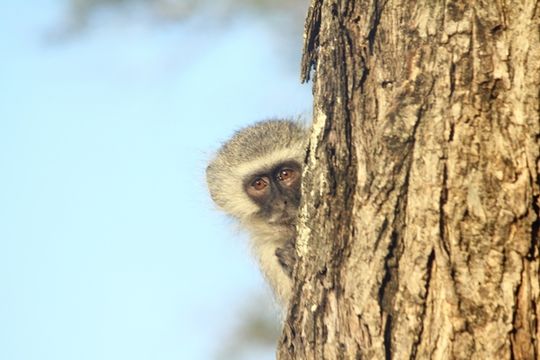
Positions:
(277, 192)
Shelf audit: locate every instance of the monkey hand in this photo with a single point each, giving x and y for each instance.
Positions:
(286, 256)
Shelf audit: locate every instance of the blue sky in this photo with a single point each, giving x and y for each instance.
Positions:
(109, 245)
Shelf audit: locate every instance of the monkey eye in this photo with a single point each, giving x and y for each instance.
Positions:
(259, 184)
(287, 175)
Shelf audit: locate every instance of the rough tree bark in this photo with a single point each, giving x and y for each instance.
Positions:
(420, 217)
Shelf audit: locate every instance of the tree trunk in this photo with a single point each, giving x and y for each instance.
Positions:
(419, 228)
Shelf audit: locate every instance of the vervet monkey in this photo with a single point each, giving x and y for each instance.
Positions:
(255, 177)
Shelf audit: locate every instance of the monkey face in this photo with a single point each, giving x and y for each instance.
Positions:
(277, 192)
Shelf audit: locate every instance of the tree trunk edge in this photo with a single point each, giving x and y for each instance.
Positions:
(307, 324)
